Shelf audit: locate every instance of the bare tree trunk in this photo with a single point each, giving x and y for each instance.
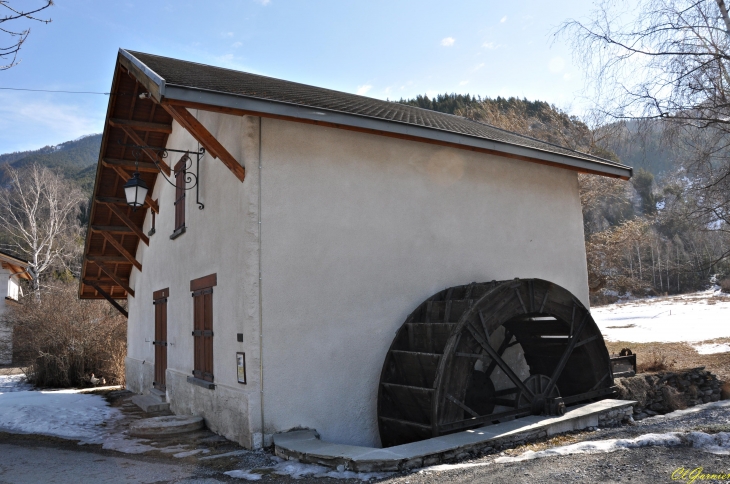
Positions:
(659, 263)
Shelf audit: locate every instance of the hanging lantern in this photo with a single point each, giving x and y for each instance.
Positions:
(136, 191)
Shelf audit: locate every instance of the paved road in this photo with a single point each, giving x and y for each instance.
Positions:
(22, 463)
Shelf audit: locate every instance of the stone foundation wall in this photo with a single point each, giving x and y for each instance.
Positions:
(664, 392)
(615, 418)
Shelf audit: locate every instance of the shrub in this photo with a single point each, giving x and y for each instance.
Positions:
(59, 340)
(654, 361)
(725, 285)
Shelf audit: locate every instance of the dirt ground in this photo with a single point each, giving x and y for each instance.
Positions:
(674, 356)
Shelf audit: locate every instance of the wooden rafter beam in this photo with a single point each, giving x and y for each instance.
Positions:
(127, 221)
(112, 229)
(148, 200)
(141, 125)
(151, 153)
(120, 248)
(142, 166)
(103, 281)
(116, 259)
(114, 277)
(107, 296)
(153, 204)
(203, 136)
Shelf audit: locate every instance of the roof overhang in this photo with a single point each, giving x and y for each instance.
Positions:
(17, 267)
(246, 105)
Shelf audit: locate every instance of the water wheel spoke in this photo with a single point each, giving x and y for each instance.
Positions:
(500, 351)
(566, 354)
(502, 364)
(456, 402)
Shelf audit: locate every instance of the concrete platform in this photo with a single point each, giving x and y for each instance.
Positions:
(305, 445)
(152, 402)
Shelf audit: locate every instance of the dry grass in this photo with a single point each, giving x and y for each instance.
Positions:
(676, 356)
(655, 361)
(59, 340)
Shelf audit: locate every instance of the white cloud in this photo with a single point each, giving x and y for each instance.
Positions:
(44, 122)
(362, 90)
(491, 45)
(263, 2)
(556, 64)
(567, 76)
(503, 19)
(463, 83)
(448, 41)
(478, 66)
(227, 34)
(236, 45)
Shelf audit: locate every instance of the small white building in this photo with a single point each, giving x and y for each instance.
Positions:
(12, 270)
(267, 296)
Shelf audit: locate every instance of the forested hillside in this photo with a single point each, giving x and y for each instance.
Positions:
(75, 160)
(646, 236)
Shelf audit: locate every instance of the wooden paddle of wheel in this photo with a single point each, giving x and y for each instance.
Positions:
(431, 385)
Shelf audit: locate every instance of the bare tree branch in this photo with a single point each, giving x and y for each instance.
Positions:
(19, 36)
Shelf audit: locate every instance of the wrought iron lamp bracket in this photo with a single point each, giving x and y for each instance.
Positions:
(190, 178)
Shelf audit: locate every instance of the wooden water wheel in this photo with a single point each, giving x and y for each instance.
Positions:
(482, 353)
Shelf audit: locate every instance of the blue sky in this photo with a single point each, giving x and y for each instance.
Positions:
(383, 49)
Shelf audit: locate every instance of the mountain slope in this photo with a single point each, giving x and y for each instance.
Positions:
(76, 159)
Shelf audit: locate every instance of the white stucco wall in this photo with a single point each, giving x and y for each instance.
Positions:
(357, 230)
(11, 290)
(222, 239)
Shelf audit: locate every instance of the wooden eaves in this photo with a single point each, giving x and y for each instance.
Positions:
(17, 267)
(115, 230)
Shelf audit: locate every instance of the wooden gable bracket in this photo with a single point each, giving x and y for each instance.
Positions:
(107, 296)
(151, 153)
(154, 206)
(120, 248)
(141, 125)
(114, 277)
(142, 166)
(203, 136)
(125, 220)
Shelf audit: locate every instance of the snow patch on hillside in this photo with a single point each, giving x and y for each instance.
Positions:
(694, 317)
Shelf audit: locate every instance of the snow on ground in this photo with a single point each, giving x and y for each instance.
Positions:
(13, 383)
(695, 317)
(63, 413)
(718, 443)
(712, 348)
(69, 414)
(297, 470)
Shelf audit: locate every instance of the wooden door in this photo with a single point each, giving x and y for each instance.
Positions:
(203, 332)
(160, 342)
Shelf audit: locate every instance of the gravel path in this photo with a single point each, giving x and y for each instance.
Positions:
(35, 458)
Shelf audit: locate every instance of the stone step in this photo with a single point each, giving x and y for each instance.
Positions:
(168, 425)
(151, 403)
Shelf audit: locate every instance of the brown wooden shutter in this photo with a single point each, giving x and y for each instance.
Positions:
(202, 290)
(179, 195)
(160, 342)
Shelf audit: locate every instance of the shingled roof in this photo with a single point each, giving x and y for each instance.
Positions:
(149, 92)
(192, 82)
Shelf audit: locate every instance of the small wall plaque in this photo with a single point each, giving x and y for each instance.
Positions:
(241, 367)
